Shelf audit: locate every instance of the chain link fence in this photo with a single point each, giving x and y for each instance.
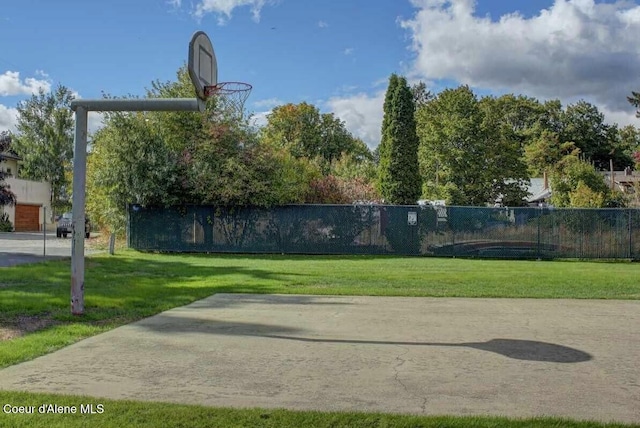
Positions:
(504, 233)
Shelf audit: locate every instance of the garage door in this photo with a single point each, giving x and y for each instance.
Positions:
(27, 218)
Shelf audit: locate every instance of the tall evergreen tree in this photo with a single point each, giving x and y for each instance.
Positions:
(399, 177)
(382, 149)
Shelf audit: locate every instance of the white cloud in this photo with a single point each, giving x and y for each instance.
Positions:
(95, 121)
(10, 84)
(268, 103)
(224, 8)
(175, 3)
(574, 49)
(8, 118)
(348, 51)
(346, 89)
(322, 24)
(622, 118)
(362, 114)
(260, 119)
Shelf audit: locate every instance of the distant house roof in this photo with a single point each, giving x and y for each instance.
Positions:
(10, 155)
(5, 139)
(538, 191)
(623, 180)
(536, 185)
(541, 196)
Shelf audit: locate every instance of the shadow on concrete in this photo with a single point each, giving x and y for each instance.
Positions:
(176, 324)
(517, 349)
(529, 350)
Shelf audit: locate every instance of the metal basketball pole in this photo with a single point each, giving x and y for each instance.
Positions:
(78, 204)
(82, 108)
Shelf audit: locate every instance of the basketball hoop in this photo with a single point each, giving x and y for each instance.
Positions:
(232, 95)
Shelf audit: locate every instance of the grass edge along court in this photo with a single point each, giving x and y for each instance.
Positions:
(118, 413)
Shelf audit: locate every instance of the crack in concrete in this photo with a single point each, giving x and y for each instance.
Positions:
(396, 377)
(395, 368)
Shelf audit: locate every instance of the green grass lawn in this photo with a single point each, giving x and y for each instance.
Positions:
(131, 414)
(34, 300)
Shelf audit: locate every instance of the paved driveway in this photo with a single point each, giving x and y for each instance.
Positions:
(513, 357)
(25, 247)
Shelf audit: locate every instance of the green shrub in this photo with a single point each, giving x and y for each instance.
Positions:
(5, 224)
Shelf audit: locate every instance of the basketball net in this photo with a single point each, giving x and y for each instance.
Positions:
(230, 96)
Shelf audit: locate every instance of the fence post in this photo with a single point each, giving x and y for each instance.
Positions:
(539, 216)
(128, 225)
(370, 209)
(581, 231)
(453, 233)
(630, 223)
(44, 233)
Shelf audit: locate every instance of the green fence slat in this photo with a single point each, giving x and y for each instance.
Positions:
(503, 233)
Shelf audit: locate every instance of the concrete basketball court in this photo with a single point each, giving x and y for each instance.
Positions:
(514, 357)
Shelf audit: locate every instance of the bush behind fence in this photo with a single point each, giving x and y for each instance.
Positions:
(526, 233)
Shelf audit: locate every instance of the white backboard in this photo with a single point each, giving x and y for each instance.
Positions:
(203, 67)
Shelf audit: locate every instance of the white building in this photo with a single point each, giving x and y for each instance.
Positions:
(32, 198)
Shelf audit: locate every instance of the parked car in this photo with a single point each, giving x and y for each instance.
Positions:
(64, 226)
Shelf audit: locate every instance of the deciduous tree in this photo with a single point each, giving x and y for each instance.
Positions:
(519, 119)
(630, 143)
(577, 184)
(507, 125)
(129, 164)
(583, 124)
(167, 158)
(543, 153)
(305, 132)
(330, 189)
(466, 157)
(44, 140)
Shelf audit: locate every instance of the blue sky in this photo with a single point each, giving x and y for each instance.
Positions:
(336, 54)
